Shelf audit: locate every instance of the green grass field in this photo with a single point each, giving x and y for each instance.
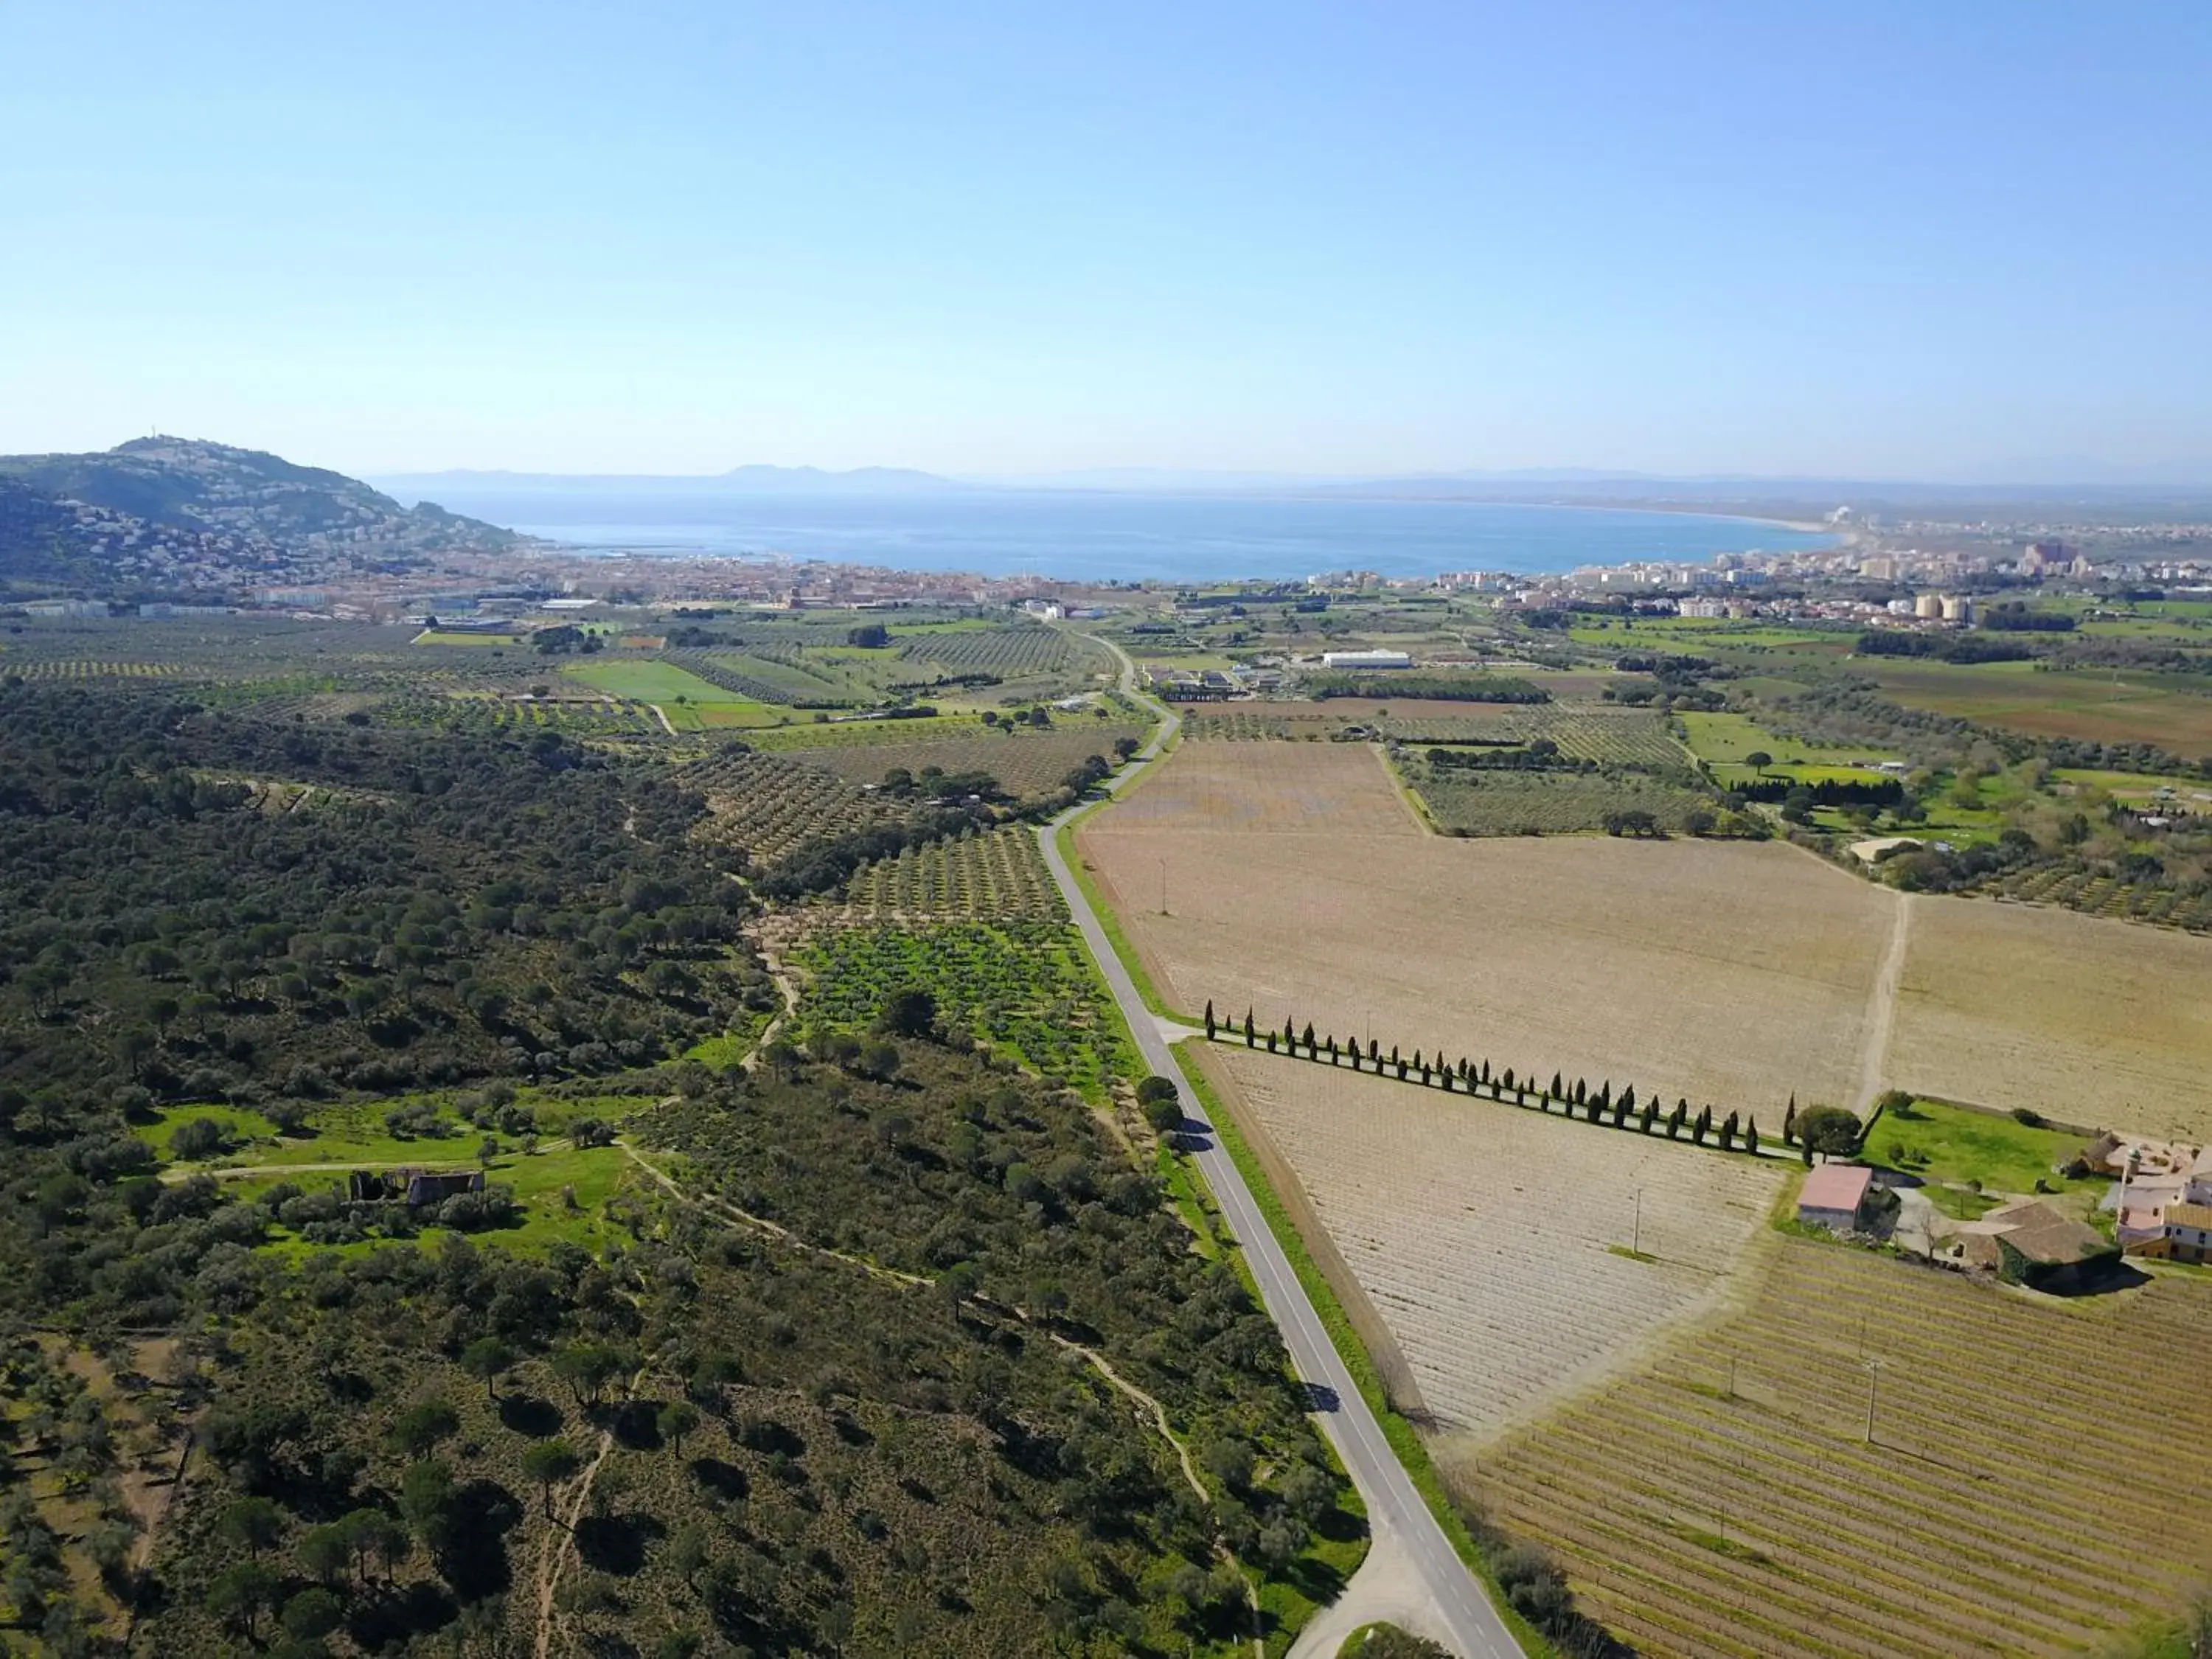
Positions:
(675, 690)
(1944, 1143)
(2172, 711)
(1725, 739)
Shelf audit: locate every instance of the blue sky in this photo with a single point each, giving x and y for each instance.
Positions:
(1875, 240)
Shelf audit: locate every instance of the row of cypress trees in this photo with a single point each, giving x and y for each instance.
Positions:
(1732, 1133)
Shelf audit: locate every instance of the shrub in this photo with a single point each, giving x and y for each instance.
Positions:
(201, 1137)
(1829, 1129)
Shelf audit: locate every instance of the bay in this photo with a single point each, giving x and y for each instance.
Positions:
(1077, 536)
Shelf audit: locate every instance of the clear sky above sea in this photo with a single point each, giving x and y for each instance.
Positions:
(1964, 240)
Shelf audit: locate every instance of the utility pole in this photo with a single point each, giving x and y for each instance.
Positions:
(1164, 887)
(1636, 1238)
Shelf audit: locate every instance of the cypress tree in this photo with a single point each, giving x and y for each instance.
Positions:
(1751, 1138)
(1394, 1060)
(1704, 1123)
(1331, 1048)
(1604, 1099)
(1728, 1132)
(1558, 1086)
(1271, 1040)
(1375, 1052)
(1582, 1092)
(1289, 1034)
(1209, 1019)
(1674, 1120)
(1308, 1037)
(1650, 1113)
(1628, 1099)
(1248, 1029)
(1789, 1121)
(1507, 1074)
(1486, 1073)
(1418, 1065)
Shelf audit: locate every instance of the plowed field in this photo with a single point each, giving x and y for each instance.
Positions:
(1484, 1237)
(1735, 973)
(2034, 1481)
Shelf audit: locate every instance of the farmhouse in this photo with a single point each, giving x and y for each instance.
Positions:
(416, 1187)
(2032, 1244)
(1366, 659)
(2186, 1232)
(1835, 1197)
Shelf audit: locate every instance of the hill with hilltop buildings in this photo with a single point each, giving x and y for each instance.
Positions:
(181, 516)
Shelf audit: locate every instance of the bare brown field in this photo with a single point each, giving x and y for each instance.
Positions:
(1730, 973)
(1328, 789)
(1025, 764)
(1315, 720)
(2091, 1021)
(1484, 1236)
(2033, 1484)
(1727, 974)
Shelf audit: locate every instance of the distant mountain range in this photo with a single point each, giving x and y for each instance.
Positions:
(168, 515)
(2160, 488)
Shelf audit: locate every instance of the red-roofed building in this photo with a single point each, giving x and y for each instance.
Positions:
(1835, 1196)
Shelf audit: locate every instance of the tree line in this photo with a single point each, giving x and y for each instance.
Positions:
(1819, 1129)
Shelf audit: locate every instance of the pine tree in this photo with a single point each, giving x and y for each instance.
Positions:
(1789, 1122)
(1209, 1019)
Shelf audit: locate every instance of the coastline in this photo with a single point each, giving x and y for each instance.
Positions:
(1089, 536)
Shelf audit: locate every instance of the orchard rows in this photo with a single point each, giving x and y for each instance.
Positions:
(1025, 987)
(2020, 1495)
(996, 875)
(1010, 653)
(769, 804)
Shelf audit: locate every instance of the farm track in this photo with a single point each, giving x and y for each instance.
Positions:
(1881, 1007)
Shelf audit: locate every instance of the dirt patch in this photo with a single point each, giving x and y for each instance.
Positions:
(1323, 789)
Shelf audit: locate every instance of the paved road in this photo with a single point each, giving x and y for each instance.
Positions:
(1475, 1631)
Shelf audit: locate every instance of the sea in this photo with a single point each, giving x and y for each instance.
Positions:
(1082, 536)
